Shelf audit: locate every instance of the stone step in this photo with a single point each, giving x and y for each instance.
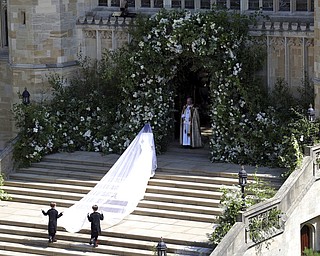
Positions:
(84, 187)
(72, 167)
(50, 179)
(82, 158)
(64, 248)
(48, 186)
(13, 253)
(213, 179)
(184, 192)
(109, 234)
(180, 207)
(175, 215)
(63, 173)
(160, 209)
(39, 193)
(72, 193)
(190, 184)
(182, 200)
(83, 238)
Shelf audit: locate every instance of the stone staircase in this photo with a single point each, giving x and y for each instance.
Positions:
(180, 205)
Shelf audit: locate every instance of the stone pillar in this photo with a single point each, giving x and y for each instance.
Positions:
(317, 56)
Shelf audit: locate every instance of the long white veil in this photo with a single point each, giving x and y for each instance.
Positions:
(118, 193)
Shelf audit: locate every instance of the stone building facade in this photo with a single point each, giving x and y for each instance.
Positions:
(40, 37)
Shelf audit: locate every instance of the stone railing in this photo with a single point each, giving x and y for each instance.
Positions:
(6, 159)
(282, 26)
(105, 20)
(237, 241)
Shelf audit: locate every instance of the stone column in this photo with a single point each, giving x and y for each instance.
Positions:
(317, 56)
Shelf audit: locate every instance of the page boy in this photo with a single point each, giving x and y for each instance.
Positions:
(52, 224)
(95, 218)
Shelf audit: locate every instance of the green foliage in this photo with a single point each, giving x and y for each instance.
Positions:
(264, 225)
(310, 252)
(232, 203)
(3, 194)
(80, 116)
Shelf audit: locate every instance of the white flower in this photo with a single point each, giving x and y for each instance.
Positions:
(87, 134)
(35, 129)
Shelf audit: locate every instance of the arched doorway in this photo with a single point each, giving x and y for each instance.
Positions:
(305, 237)
(192, 84)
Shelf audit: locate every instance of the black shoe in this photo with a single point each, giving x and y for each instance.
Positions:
(91, 241)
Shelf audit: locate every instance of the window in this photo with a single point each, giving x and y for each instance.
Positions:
(115, 3)
(176, 4)
(103, 2)
(23, 17)
(205, 4)
(222, 3)
(284, 5)
(235, 4)
(158, 3)
(253, 4)
(145, 3)
(301, 5)
(267, 5)
(189, 4)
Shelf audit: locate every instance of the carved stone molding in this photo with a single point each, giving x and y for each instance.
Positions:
(122, 36)
(295, 41)
(3, 4)
(277, 43)
(309, 42)
(105, 34)
(90, 34)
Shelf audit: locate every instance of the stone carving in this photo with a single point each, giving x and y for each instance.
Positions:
(105, 34)
(309, 42)
(295, 41)
(122, 36)
(277, 43)
(90, 34)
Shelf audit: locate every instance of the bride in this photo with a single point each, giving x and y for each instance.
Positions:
(118, 193)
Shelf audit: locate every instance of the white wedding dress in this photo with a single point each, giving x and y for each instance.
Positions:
(118, 193)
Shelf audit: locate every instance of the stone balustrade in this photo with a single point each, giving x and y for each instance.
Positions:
(237, 241)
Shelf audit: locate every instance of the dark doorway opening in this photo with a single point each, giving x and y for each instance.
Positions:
(192, 84)
(305, 235)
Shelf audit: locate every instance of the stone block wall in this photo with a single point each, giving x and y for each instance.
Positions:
(42, 32)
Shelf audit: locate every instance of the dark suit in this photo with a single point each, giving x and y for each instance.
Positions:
(52, 224)
(95, 218)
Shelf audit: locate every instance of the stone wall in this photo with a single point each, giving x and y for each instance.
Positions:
(6, 95)
(42, 32)
(317, 56)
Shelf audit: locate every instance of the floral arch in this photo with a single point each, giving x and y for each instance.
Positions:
(214, 43)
